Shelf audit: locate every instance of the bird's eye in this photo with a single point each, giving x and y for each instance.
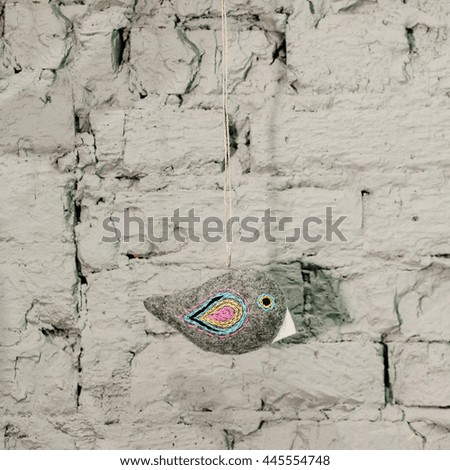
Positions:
(266, 302)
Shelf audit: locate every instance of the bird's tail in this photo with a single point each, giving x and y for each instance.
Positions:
(156, 305)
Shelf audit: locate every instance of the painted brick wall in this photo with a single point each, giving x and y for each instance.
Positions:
(114, 104)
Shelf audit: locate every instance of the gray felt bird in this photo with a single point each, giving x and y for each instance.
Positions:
(235, 313)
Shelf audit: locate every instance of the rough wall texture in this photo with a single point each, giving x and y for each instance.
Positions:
(113, 104)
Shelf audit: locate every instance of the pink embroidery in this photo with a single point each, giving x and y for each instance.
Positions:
(222, 315)
(231, 291)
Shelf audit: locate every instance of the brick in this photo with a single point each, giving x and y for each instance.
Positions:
(177, 62)
(423, 299)
(271, 436)
(344, 435)
(303, 203)
(36, 240)
(271, 375)
(39, 375)
(352, 53)
(145, 435)
(438, 416)
(48, 125)
(205, 7)
(435, 437)
(413, 210)
(363, 137)
(34, 433)
(359, 435)
(36, 35)
(37, 361)
(195, 146)
(420, 373)
(370, 302)
(100, 78)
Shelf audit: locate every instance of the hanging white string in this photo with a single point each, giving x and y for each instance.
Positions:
(227, 153)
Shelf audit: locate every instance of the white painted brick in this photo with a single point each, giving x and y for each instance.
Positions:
(37, 117)
(108, 127)
(342, 5)
(34, 432)
(420, 373)
(194, 147)
(146, 435)
(38, 370)
(97, 82)
(408, 220)
(177, 62)
(269, 375)
(36, 237)
(423, 303)
(370, 302)
(36, 35)
(359, 135)
(333, 435)
(438, 416)
(91, 257)
(205, 7)
(360, 435)
(435, 437)
(38, 375)
(303, 203)
(354, 53)
(162, 60)
(272, 436)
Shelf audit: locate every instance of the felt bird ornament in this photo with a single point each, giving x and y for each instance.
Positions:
(235, 313)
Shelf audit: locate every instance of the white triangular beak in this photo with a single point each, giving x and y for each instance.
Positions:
(287, 328)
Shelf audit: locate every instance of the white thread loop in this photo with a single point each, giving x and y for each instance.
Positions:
(227, 152)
